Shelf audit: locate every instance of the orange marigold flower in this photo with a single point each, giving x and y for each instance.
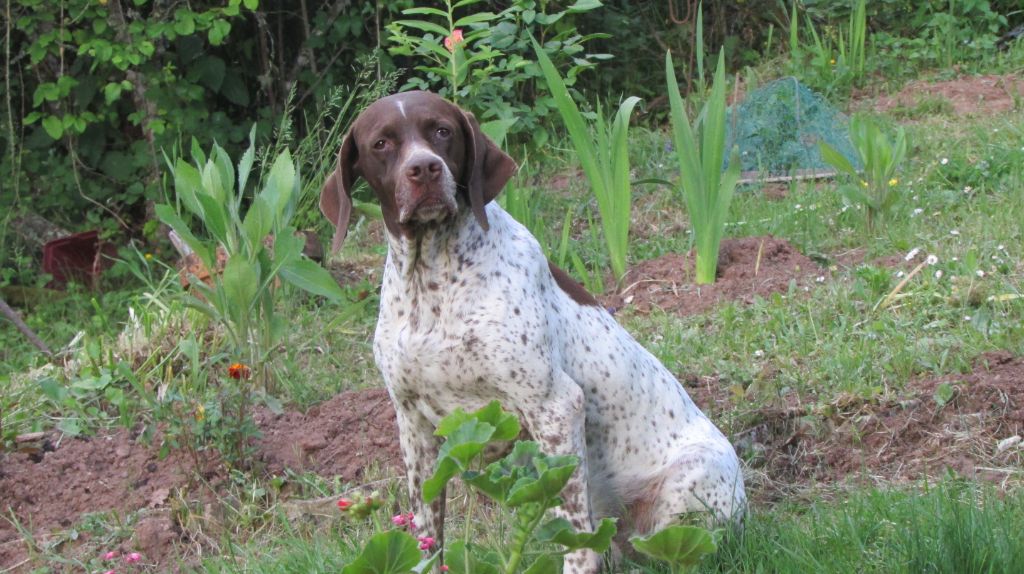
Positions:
(239, 371)
(454, 40)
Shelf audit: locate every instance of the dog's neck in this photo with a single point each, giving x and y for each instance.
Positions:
(424, 254)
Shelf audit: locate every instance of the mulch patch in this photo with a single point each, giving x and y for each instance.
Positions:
(748, 267)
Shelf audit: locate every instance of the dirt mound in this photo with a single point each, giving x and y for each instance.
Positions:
(748, 267)
(912, 437)
(341, 437)
(968, 95)
(51, 489)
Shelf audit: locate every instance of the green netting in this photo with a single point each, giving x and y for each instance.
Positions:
(777, 128)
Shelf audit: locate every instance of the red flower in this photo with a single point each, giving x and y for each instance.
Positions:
(344, 504)
(444, 568)
(239, 371)
(454, 40)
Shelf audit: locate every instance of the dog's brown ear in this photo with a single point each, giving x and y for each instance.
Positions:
(487, 169)
(336, 194)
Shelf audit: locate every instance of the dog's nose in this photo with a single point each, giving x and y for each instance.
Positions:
(423, 170)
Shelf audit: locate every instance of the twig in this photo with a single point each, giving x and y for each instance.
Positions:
(25, 330)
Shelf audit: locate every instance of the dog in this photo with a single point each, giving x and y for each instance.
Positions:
(471, 311)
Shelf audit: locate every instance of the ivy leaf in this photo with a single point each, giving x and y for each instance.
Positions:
(680, 546)
(54, 127)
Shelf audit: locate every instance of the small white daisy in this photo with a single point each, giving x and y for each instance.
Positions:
(912, 254)
(938, 274)
(944, 160)
(979, 273)
(931, 260)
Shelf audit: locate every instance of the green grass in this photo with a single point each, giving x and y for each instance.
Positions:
(953, 527)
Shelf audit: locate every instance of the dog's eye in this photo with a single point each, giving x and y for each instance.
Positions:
(380, 144)
(444, 132)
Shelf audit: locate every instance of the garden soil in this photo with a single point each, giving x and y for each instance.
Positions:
(968, 95)
(748, 267)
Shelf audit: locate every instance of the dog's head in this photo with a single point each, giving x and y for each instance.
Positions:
(425, 159)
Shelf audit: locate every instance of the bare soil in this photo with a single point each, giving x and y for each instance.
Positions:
(968, 95)
(51, 489)
(906, 437)
(748, 267)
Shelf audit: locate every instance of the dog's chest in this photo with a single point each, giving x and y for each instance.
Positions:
(431, 333)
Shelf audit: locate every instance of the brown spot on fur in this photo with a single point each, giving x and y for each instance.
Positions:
(573, 288)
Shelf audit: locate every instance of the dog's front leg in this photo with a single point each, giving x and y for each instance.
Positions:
(560, 428)
(419, 450)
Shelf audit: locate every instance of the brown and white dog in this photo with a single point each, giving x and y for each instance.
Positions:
(471, 311)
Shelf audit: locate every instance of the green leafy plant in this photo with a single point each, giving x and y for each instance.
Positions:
(526, 482)
(259, 249)
(880, 157)
(682, 547)
(707, 190)
(604, 155)
(481, 60)
(832, 60)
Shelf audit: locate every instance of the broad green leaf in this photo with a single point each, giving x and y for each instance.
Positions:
(506, 425)
(225, 171)
(474, 19)
(281, 185)
(836, 159)
(545, 487)
(680, 546)
(188, 183)
(54, 127)
(241, 279)
(391, 552)
(215, 218)
(245, 164)
(561, 532)
(447, 468)
(425, 12)
(546, 564)
(168, 215)
(481, 560)
(498, 129)
(424, 26)
(584, 6)
(258, 221)
(310, 277)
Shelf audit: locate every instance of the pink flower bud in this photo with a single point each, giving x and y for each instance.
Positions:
(399, 520)
(426, 542)
(110, 555)
(133, 557)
